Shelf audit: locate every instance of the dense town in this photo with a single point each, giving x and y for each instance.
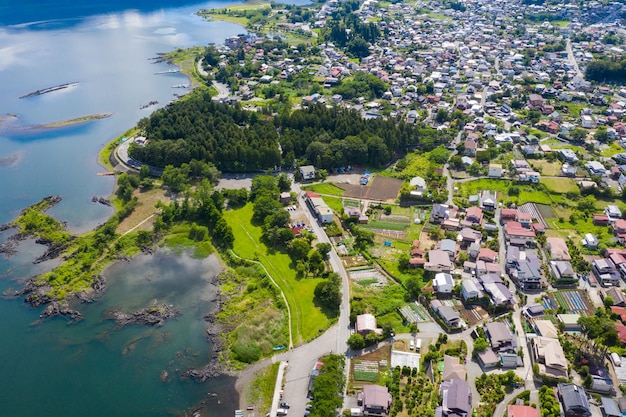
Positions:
(484, 277)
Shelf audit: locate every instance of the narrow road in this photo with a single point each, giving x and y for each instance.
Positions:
(222, 90)
(572, 58)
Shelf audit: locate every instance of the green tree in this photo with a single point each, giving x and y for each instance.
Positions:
(356, 342)
(298, 249)
(324, 248)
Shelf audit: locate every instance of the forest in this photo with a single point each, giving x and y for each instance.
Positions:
(607, 70)
(235, 140)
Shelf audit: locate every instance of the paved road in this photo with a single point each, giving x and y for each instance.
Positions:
(277, 388)
(303, 358)
(572, 59)
(222, 90)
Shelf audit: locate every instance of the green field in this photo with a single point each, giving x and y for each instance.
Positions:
(529, 193)
(334, 203)
(325, 188)
(613, 149)
(560, 185)
(307, 319)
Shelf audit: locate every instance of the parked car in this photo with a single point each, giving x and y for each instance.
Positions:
(285, 405)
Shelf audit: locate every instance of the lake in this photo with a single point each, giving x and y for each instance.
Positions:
(92, 368)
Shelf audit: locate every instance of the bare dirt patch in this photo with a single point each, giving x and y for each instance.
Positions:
(380, 188)
(146, 207)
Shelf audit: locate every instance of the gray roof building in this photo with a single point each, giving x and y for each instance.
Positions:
(456, 398)
(574, 400)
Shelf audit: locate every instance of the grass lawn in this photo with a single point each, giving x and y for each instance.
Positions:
(550, 168)
(560, 185)
(325, 188)
(307, 319)
(576, 230)
(612, 149)
(334, 203)
(529, 193)
(561, 23)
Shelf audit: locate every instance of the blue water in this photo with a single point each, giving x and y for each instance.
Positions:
(91, 368)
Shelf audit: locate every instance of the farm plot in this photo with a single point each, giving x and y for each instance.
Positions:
(380, 189)
(365, 371)
(414, 313)
(473, 314)
(575, 302)
(368, 277)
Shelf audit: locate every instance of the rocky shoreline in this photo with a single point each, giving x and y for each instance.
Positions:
(9, 246)
(154, 315)
(214, 331)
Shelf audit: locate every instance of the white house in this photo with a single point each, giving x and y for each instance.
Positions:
(590, 241)
(443, 283)
(587, 122)
(470, 290)
(307, 172)
(495, 171)
(595, 168)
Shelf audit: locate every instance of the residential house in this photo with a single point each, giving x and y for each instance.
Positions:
(619, 228)
(453, 368)
(590, 242)
(495, 171)
(569, 170)
(319, 207)
(524, 219)
(617, 296)
(456, 399)
(507, 215)
(568, 155)
(514, 410)
(449, 246)
(573, 400)
(610, 407)
(557, 248)
(613, 213)
(524, 268)
(530, 176)
(545, 328)
(438, 261)
(376, 400)
(487, 255)
(500, 336)
(499, 293)
(366, 324)
(470, 290)
(488, 200)
(488, 359)
(562, 270)
(439, 213)
(419, 185)
(605, 272)
(450, 316)
(473, 216)
(535, 100)
(534, 310)
(307, 172)
(550, 357)
(469, 236)
(518, 235)
(595, 168)
(470, 148)
(587, 121)
(443, 283)
(570, 322)
(600, 220)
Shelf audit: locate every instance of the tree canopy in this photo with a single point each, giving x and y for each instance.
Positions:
(234, 140)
